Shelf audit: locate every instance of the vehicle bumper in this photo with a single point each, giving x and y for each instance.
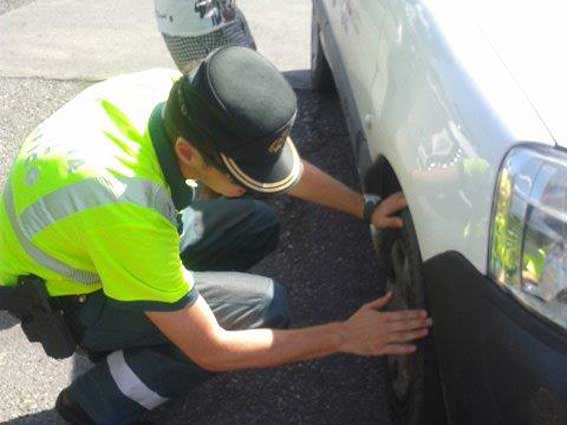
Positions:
(499, 362)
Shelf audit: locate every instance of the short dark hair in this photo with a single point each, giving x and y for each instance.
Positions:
(206, 150)
(199, 138)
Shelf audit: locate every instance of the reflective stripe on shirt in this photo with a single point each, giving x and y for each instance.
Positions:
(46, 260)
(77, 197)
(95, 192)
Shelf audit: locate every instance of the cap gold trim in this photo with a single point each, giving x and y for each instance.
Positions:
(250, 182)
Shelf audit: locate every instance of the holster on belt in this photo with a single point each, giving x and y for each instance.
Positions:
(41, 322)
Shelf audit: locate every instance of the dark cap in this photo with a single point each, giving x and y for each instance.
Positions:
(238, 101)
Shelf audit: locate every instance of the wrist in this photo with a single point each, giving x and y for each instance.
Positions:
(371, 202)
(340, 335)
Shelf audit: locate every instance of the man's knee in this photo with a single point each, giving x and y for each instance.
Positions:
(276, 309)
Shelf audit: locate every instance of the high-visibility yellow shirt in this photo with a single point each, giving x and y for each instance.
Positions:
(88, 203)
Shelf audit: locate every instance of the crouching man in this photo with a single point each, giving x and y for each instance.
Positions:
(101, 233)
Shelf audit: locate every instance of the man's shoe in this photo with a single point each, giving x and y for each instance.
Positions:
(75, 415)
(71, 411)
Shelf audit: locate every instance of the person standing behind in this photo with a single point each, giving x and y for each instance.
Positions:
(192, 32)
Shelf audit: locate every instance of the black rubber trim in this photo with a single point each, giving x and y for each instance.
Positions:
(454, 266)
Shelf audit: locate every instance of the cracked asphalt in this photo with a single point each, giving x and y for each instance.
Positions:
(325, 259)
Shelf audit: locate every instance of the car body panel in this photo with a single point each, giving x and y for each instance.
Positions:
(426, 98)
(530, 45)
(326, 15)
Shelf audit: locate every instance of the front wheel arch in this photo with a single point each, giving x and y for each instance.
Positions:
(395, 248)
(380, 179)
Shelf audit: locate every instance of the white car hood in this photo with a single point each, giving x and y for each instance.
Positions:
(530, 38)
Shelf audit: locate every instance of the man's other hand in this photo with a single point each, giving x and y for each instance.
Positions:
(384, 215)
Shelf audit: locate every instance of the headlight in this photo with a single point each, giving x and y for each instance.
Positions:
(528, 252)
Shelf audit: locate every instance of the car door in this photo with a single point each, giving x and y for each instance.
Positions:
(360, 24)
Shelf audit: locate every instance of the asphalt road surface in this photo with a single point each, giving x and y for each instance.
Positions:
(324, 258)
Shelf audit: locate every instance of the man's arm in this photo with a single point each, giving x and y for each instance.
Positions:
(368, 332)
(319, 187)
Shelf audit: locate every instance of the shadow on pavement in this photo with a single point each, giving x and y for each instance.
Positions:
(41, 418)
(7, 321)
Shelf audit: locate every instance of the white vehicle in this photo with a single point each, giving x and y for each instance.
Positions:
(461, 104)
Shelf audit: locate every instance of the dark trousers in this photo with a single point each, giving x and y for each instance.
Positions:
(139, 368)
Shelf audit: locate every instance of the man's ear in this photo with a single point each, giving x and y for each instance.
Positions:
(185, 151)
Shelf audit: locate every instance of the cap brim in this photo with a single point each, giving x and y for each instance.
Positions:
(269, 176)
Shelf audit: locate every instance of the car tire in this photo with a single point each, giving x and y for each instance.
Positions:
(321, 76)
(412, 382)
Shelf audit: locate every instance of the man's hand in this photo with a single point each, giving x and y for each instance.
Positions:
(384, 215)
(370, 332)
